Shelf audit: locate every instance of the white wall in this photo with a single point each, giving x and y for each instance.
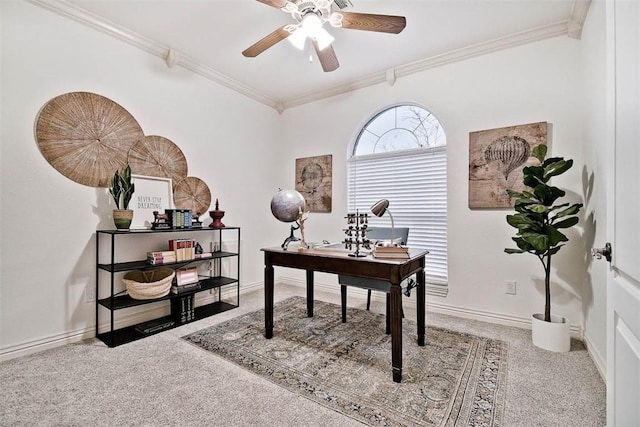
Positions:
(42, 212)
(594, 175)
(537, 82)
(48, 222)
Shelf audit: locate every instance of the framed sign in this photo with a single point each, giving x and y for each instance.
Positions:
(152, 193)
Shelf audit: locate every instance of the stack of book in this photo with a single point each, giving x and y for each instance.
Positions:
(183, 309)
(186, 280)
(179, 218)
(161, 257)
(391, 252)
(185, 249)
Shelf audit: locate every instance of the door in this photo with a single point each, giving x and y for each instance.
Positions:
(623, 213)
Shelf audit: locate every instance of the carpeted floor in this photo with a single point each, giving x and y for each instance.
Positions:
(164, 380)
(456, 379)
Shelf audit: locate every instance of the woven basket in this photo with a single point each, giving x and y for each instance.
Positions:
(149, 284)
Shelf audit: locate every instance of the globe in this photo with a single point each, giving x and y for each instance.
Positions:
(286, 205)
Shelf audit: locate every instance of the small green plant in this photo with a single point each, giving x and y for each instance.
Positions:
(538, 220)
(122, 188)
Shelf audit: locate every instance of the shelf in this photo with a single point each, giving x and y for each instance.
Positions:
(114, 302)
(171, 230)
(129, 334)
(143, 265)
(125, 301)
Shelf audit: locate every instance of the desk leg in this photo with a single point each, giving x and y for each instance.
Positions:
(268, 301)
(420, 301)
(396, 332)
(309, 293)
(343, 301)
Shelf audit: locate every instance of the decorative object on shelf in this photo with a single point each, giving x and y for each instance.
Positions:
(149, 284)
(195, 220)
(179, 218)
(314, 181)
(153, 194)
(122, 189)
(192, 193)
(160, 221)
(158, 156)
(216, 215)
(85, 136)
(356, 232)
(539, 220)
(286, 206)
(496, 159)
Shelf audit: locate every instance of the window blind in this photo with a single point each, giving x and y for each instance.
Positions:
(415, 183)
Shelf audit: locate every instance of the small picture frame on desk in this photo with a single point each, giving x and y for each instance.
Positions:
(152, 193)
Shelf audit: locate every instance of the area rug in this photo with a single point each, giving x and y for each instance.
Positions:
(456, 379)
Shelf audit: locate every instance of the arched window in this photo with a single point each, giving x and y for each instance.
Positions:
(400, 155)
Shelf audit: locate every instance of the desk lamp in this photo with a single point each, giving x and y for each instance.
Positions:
(379, 209)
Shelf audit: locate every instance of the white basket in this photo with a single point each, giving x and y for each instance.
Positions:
(149, 284)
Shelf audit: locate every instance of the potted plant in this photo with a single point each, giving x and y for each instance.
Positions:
(539, 218)
(121, 190)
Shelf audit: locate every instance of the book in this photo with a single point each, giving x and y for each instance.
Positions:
(397, 255)
(175, 289)
(154, 325)
(391, 252)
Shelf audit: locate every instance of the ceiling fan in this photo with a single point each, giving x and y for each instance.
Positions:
(310, 17)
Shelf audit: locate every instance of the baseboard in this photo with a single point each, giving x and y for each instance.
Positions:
(597, 358)
(440, 308)
(141, 314)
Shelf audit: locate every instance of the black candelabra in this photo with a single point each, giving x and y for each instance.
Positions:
(356, 232)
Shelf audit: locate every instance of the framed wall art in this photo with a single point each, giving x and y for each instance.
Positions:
(152, 193)
(314, 181)
(496, 159)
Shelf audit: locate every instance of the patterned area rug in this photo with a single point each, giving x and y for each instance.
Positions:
(456, 379)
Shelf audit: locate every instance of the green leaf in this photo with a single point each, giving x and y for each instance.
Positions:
(566, 223)
(557, 168)
(539, 152)
(574, 209)
(539, 242)
(548, 194)
(533, 175)
(538, 208)
(514, 251)
(523, 244)
(555, 250)
(555, 237)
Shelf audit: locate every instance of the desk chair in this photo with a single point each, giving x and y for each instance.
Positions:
(374, 234)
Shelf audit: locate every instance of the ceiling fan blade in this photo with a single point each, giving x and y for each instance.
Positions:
(370, 22)
(275, 3)
(265, 43)
(327, 57)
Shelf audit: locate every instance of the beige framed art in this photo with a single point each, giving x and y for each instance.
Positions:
(496, 159)
(152, 193)
(314, 181)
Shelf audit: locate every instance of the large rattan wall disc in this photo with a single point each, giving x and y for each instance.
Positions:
(157, 156)
(192, 193)
(86, 137)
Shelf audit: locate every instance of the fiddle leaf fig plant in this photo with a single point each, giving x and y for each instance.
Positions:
(122, 188)
(539, 218)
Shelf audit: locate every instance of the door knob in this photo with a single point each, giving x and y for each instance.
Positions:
(603, 252)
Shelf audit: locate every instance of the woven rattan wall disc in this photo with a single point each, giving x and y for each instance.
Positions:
(86, 137)
(192, 193)
(157, 156)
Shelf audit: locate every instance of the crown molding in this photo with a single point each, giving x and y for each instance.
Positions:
(572, 27)
(167, 53)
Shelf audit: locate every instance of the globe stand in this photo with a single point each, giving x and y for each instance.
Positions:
(291, 237)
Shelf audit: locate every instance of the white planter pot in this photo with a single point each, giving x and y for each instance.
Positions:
(552, 336)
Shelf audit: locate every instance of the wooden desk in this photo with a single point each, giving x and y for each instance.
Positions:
(338, 262)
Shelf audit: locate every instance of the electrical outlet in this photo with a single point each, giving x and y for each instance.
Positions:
(510, 287)
(89, 293)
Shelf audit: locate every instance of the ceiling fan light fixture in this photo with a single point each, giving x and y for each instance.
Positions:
(298, 38)
(324, 39)
(311, 25)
